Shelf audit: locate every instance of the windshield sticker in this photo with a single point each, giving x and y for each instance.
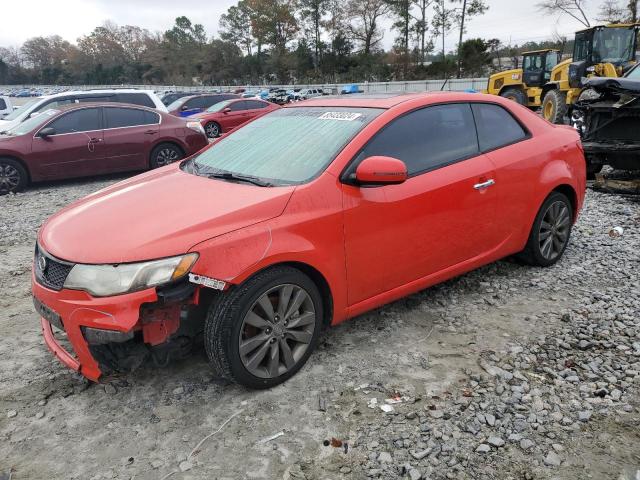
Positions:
(344, 116)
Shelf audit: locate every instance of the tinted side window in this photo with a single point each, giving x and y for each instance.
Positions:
(136, 99)
(125, 117)
(106, 98)
(151, 118)
(488, 117)
(84, 120)
(54, 104)
(3, 105)
(428, 138)
(238, 106)
(193, 103)
(254, 105)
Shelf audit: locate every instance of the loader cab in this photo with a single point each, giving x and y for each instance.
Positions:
(605, 51)
(537, 66)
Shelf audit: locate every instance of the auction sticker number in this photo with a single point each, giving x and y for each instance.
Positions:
(343, 116)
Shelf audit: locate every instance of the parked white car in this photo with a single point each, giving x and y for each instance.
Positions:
(36, 105)
(5, 107)
(306, 93)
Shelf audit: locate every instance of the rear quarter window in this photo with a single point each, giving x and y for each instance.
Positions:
(3, 105)
(496, 127)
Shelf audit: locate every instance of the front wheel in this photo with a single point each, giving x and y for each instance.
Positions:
(164, 154)
(550, 233)
(554, 106)
(13, 176)
(263, 331)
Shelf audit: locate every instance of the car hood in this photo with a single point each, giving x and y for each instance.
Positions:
(6, 124)
(158, 214)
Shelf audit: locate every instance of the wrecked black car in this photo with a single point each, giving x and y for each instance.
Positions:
(607, 115)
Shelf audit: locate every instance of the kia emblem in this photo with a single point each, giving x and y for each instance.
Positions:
(42, 263)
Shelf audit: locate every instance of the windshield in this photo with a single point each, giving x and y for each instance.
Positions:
(218, 107)
(176, 104)
(610, 45)
(288, 146)
(32, 123)
(634, 74)
(23, 109)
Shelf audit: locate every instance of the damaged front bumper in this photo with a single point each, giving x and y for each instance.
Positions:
(98, 331)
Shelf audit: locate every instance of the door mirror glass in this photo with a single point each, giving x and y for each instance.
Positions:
(380, 170)
(47, 132)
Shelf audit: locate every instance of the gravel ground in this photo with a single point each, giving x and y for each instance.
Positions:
(508, 372)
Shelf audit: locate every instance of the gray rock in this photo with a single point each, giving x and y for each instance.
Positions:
(584, 416)
(185, 466)
(385, 457)
(12, 414)
(483, 448)
(496, 442)
(526, 444)
(414, 474)
(552, 459)
(420, 455)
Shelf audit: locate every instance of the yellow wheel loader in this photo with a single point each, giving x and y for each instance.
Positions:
(603, 51)
(524, 85)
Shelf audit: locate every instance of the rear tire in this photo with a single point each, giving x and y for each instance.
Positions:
(13, 176)
(554, 106)
(550, 233)
(260, 347)
(213, 129)
(515, 94)
(165, 154)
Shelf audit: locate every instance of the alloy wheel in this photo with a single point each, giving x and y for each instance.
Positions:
(277, 330)
(9, 178)
(166, 156)
(554, 230)
(212, 130)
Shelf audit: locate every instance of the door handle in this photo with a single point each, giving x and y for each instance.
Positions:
(483, 185)
(150, 132)
(95, 140)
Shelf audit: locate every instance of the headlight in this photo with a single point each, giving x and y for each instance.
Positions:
(108, 280)
(197, 126)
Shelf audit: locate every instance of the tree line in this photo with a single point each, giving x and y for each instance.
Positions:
(282, 42)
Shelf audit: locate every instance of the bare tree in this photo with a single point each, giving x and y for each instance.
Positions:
(421, 27)
(611, 11)
(572, 8)
(364, 26)
(469, 8)
(633, 10)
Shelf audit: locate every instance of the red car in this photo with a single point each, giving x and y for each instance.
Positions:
(378, 197)
(225, 116)
(91, 139)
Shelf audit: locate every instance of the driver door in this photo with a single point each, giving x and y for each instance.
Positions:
(437, 219)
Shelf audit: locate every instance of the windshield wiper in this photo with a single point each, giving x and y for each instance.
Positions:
(240, 178)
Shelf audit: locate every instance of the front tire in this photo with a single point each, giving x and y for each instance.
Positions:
(263, 331)
(550, 233)
(13, 176)
(554, 106)
(165, 154)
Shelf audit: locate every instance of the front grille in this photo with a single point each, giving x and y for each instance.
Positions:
(50, 272)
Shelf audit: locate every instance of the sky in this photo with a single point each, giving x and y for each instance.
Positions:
(512, 21)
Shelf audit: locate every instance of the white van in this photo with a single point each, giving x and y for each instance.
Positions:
(5, 107)
(33, 107)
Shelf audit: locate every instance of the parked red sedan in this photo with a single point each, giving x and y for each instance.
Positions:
(225, 116)
(378, 197)
(91, 139)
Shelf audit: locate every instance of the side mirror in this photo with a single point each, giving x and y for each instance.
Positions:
(379, 170)
(184, 108)
(47, 132)
(34, 114)
(226, 110)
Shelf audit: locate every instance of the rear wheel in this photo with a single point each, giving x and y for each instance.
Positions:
(164, 154)
(212, 129)
(263, 331)
(550, 233)
(13, 176)
(554, 106)
(515, 94)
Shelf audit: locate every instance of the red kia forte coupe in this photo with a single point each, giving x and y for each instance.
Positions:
(91, 139)
(225, 116)
(258, 244)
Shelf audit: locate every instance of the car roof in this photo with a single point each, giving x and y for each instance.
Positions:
(94, 92)
(78, 106)
(383, 100)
